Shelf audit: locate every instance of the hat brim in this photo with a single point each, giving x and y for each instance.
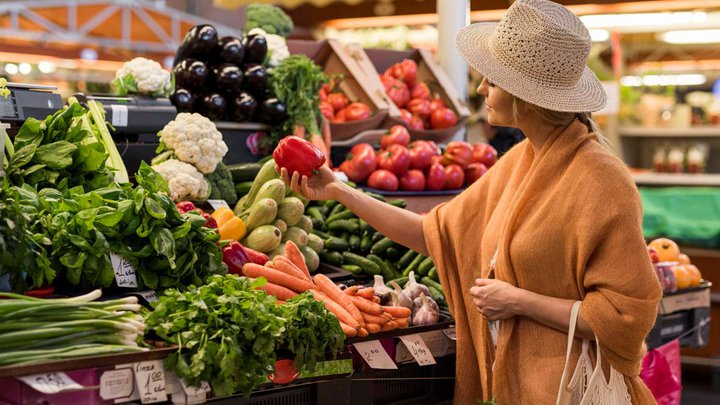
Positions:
(474, 44)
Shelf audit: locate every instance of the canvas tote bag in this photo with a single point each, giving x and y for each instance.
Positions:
(588, 386)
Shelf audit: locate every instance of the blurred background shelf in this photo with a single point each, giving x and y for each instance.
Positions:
(693, 132)
(677, 179)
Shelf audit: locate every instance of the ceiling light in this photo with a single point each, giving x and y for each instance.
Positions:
(46, 67)
(691, 37)
(693, 79)
(11, 68)
(25, 68)
(599, 35)
(88, 54)
(643, 19)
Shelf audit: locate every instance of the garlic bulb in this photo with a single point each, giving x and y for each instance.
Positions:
(426, 314)
(413, 289)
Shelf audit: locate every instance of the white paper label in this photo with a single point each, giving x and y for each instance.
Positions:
(116, 384)
(150, 296)
(217, 204)
(195, 395)
(119, 115)
(150, 380)
(172, 382)
(375, 355)
(124, 271)
(51, 383)
(418, 349)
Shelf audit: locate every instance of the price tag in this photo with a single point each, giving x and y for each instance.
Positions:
(195, 395)
(418, 349)
(172, 383)
(51, 383)
(217, 204)
(119, 115)
(150, 380)
(150, 295)
(116, 384)
(124, 271)
(375, 355)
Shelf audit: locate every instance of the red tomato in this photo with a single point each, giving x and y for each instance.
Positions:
(340, 116)
(420, 90)
(421, 155)
(437, 103)
(416, 123)
(436, 177)
(413, 180)
(387, 81)
(459, 153)
(383, 180)
(435, 147)
(409, 71)
(362, 160)
(327, 110)
(338, 101)
(405, 116)
(473, 172)
(419, 107)
(396, 159)
(327, 88)
(399, 93)
(357, 112)
(455, 177)
(398, 135)
(443, 118)
(485, 154)
(323, 95)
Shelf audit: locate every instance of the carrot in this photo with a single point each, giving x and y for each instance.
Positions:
(389, 326)
(288, 268)
(362, 332)
(367, 292)
(293, 254)
(372, 327)
(376, 299)
(380, 320)
(366, 305)
(351, 290)
(349, 331)
(402, 322)
(276, 277)
(336, 309)
(335, 293)
(280, 292)
(398, 312)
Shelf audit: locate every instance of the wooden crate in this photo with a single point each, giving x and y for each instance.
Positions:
(334, 60)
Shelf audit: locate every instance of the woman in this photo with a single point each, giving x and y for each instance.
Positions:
(562, 213)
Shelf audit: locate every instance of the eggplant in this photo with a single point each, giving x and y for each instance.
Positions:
(243, 107)
(200, 42)
(255, 81)
(228, 79)
(190, 74)
(256, 49)
(231, 50)
(182, 100)
(212, 105)
(272, 111)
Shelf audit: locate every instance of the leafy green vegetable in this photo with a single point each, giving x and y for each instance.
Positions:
(271, 19)
(124, 85)
(222, 186)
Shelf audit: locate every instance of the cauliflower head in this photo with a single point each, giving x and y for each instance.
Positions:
(184, 180)
(194, 139)
(143, 76)
(277, 46)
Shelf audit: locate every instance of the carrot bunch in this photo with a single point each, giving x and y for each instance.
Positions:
(358, 310)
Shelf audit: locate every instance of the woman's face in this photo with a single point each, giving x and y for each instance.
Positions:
(498, 103)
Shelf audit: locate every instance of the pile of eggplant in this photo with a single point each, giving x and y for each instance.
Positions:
(224, 78)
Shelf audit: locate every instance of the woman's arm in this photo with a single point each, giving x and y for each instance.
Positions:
(402, 226)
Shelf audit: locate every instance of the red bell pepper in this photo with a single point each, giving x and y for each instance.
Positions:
(185, 206)
(235, 256)
(360, 163)
(256, 257)
(210, 222)
(298, 155)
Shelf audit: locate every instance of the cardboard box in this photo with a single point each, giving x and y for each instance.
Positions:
(375, 61)
(334, 60)
(684, 301)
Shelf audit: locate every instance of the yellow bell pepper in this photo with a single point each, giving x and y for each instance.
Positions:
(222, 215)
(232, 229)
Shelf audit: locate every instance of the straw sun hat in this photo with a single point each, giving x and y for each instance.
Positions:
(538, 52)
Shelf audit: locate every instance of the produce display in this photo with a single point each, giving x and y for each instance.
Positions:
(143, 76)
(336, 106)
(673, 268)
(417, 166)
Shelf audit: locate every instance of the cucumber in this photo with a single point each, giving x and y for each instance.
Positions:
(437, 296)
(352, 269)
(330, 204)
(407, 258)
(367, 266)
(365, 243)
(400, 280)
(364, 226)
(319, 233)
(394, 253)
(332, 258)
(375, 196)
(336, 210)
(384, 270)
(377, 236)
(336, 244)
(398, 203)
(425, 266)
(355, 242)
(244, 172)
(344, 225)
(323, 210)
(413, 265)
(433, 274)
(358, 227)
(351, 184)
(381, 246)
(431, 283)
(345, 236)
(346, 214)
(318, 224)
(314, 213)
(243, 187)
(392, 268)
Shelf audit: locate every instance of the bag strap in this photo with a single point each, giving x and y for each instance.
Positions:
(571, 336)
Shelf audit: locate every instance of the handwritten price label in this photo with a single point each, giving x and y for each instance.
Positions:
(418, 349)
(116, 384)
(150, 380)
(124, 271)
(150, 295)
(375, 355)
(51, 383)
(217, 204)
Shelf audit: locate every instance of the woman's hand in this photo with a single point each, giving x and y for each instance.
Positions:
(495, 299)
(320, 186)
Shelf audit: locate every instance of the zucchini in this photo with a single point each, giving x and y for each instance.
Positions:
(336, 210)
(431, 283)
(413, 265)
(354, 242)
(381, 246)
(398, 203)
(394, 252)
(407, 258)
(346, 214)
(425, 266)
(352, 269)
(243, 188)
(336, 244)
(319, 233)
(244, 172)
(365, 243)
(331, 258)
(367, 266)
(344, 225)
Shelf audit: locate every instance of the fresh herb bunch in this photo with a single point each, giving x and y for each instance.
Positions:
(296, 82)
(226, 332)
(311, 331)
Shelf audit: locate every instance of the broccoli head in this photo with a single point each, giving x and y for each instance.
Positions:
(221, 183)
(271, 19)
